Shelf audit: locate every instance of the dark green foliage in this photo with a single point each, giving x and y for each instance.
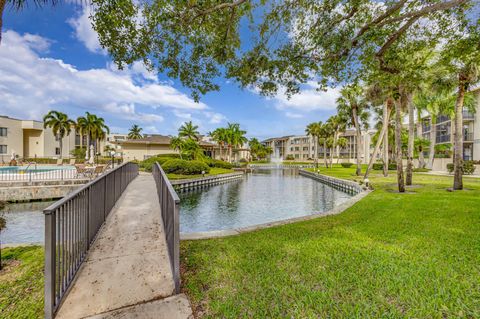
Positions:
(218, 163)
(78, 153)
(379, 166)
(467, 169)
(290, 157)
(178, 166)
(421, 170)
(346, 165)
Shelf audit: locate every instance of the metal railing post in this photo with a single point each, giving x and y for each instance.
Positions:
(50, 245)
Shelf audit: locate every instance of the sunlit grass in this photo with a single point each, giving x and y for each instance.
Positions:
(391, 255)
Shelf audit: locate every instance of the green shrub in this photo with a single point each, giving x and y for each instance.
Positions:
(421, 170)
(290, 157)
(467, 169)
(172, 155)
(346, 165)
(148, 163)
(243, 160)
(379, 166)
(217, 163)
(178, 166)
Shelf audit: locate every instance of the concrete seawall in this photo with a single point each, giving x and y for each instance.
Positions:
(25, 191)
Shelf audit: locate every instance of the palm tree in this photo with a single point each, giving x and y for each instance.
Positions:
(135, 132)
(188, 130)
(338, 126)
(235, 138)
(313, 130)
(60, 124)
(94, 128)
(219, 135)
(342, 142)
(176, 143)
(352, 108)
(325, 132)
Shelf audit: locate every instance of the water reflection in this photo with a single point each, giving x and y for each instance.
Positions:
(262, 196)
(25, 223)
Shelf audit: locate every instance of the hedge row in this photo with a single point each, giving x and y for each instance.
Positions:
(379, 166)
(183, 167)
(218, 163)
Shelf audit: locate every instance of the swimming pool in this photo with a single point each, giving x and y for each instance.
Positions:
(261, 197)
(33, 168)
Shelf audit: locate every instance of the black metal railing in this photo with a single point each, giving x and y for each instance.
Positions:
(468, 137)
(443, 138)
(170, 207)
(71, 225)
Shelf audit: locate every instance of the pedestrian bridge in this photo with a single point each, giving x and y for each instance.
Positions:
(124, 268)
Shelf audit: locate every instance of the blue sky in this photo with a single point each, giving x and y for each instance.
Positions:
(50, 59)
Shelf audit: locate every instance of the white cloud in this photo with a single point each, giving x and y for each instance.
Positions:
(215, 118)
(309, 99)
(31, 85)
(293, 115)
(84, 32)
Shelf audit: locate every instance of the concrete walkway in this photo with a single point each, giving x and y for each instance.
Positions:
(127, 272)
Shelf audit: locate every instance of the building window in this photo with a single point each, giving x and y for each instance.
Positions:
(3, 131)
(3, 149)
(57, 150)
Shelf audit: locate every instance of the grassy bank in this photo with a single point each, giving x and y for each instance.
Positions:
(213, 171)
(414, 255)
(21, 282)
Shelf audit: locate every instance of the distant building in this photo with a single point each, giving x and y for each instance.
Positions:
(155, 144)
(471, 130)
(28, 139)
(302, 147)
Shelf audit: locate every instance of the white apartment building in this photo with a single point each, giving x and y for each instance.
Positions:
(302, 147)
(28, 139)
(471, 131)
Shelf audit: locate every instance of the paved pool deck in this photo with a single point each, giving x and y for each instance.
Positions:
(127, 271)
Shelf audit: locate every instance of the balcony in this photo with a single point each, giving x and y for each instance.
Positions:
(468, 137)
(443, 118)
(443, 138)
(426, 128)
(468, 116)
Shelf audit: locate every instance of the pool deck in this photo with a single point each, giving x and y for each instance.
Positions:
(127, 271)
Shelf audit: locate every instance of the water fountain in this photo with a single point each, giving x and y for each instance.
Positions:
(276, 158)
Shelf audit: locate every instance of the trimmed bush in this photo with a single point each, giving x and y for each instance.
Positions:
(421, 170)
(467, 169)
(219, 164)
(346, 165)
(379, 166)
(183, 167)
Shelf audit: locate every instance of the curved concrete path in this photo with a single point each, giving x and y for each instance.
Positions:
(127, 271)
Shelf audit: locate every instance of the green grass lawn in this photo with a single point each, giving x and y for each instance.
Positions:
(213, 171)
(21, 282)
(391, 255)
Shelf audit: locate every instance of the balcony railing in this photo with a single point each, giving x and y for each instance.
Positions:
(443, 118)
(468, 137)
(468, 116)
(443, 138)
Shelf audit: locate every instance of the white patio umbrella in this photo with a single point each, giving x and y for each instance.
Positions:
(91, 160)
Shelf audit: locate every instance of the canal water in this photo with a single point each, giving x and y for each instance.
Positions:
(25, 223)
(261, 197)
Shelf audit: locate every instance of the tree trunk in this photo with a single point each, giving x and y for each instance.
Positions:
(60, 143)
(386, 123)
(230, 153)
(458, 138)
(421, 157)
(2, 9)
(379, 141)
(335, 138)
(359, 137)
(315, 157)
(398, 146)
(87, 150)
(411, 138)
(433, 141)
(325, 152)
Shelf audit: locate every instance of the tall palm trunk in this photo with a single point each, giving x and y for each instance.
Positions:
(334, 146)
(398, 145)
(386, 123)
(421, 157)
(2, 9)
(411, 138)
(381, 137)
(315, 157)
(60, 144)
(433, 140)
(325, 152)
(458, 137)
(87, 156)
(359, 137)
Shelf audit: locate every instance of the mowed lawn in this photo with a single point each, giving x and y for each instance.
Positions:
(21, 282)
(391, 255)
